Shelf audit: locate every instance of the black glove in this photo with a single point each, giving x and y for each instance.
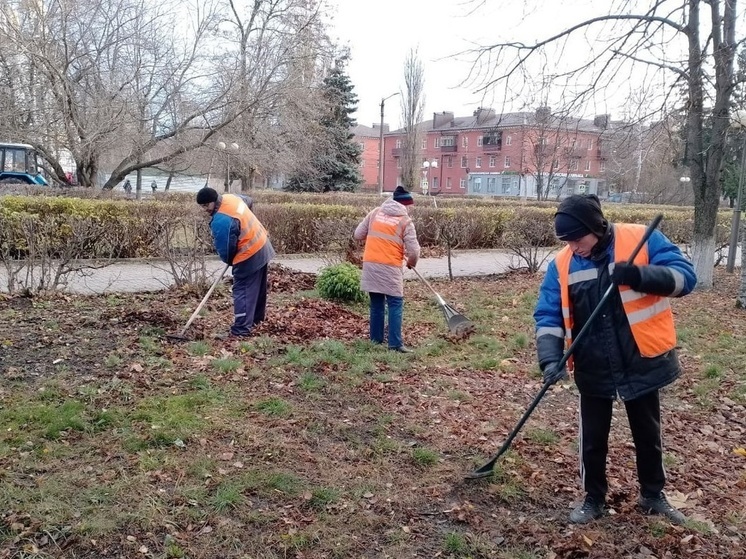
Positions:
(627, 274)
(552, 374)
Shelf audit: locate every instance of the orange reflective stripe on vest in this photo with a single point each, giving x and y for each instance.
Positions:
(253, 236)
(385, 241)
(649, 316)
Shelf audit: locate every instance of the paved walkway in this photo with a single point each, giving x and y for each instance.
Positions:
(150, 275)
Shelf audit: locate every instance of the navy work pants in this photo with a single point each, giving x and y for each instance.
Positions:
(249, 299)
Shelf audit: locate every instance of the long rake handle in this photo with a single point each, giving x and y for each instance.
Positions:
(204, 300)
(419, 275)
(486, 470)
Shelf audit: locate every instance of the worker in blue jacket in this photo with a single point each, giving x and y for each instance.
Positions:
(629, 352)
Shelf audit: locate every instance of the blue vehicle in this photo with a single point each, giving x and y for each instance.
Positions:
(19, 164)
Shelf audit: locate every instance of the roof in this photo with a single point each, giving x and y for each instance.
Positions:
(12, 145)
(487, 119)
(363, 131)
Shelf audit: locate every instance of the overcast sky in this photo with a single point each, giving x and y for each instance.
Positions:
(380, 34)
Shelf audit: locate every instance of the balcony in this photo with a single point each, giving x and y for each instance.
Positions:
(449, 149)
(397, 152)
(491, 148)
(602, 153)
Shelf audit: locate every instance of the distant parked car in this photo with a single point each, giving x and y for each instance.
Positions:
(19, 164)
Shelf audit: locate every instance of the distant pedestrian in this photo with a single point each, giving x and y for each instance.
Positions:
(127, 186)
(154, 186)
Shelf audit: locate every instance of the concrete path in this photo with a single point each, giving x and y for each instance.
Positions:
(150, 275)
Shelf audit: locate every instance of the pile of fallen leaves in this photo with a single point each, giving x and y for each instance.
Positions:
(312, 319)
(284, 280)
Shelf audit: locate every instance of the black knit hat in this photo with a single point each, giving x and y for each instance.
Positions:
(579, 215)
(207, 195)
(403, 197)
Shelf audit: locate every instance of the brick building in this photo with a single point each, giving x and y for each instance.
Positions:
(513, 154)
(368, 138)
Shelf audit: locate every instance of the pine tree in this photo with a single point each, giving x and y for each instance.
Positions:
(336, 159)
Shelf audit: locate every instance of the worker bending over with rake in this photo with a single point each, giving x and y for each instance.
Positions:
(241, 241)
(629, 352)
(389, 236)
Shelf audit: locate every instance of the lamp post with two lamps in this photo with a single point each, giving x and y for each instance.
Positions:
(427, 165)
(380, 145)
(228, 149)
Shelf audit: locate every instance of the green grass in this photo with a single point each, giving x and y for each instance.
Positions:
(424, 456)
(227, 496)
(323, 497)
(275, 407)
(227, 365)
(455, 544)
(199, 348)
(542, 436)
(310, 382)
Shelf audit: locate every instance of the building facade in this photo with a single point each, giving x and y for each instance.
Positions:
(526, 154)
(368, 138)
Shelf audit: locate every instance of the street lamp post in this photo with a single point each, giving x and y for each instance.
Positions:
(232, 148)
(429, 164)
(380, 146)
(740, 123)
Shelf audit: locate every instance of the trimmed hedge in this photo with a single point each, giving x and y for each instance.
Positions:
(138, 229)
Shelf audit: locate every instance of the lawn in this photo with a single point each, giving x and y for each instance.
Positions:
(306, 441)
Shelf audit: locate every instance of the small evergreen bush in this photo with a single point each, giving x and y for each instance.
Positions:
(340, 282)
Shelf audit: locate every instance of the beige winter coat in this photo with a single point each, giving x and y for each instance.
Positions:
(380, 278)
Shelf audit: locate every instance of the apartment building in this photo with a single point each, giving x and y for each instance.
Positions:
(512, 154)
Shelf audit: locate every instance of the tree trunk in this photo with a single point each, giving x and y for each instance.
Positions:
(168, 181)
(138, 185)
(87, 171)
(741, 299)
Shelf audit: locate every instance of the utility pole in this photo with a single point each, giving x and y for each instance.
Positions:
(380, 146)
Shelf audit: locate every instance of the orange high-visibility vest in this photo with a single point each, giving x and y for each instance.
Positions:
(385, 241)
(253, 235)
(650, 317)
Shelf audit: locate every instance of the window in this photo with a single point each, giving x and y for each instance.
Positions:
(590, 144)
(398, 143)
(435, 183)
(555, 164)
(449, 161)
(477, 184)
(447, 141)
(465, 141)
(478, 163)
(507, 161)
(464, 162)
(542, 141)
(462, 183)
(494, 139)
(509, 140)
(398, 162)
(491, 184)
(587, 166)
(448, 183)
(602, 166)
(362, 146)
(581, 143)
(492, 160)
(506, 183)
(479, 141)
(15, 160)
(424, 143)
(436, 142)
(574, 165)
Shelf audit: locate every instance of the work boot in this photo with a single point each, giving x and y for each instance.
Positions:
(590, 509)
(402, 349)
(660, 505)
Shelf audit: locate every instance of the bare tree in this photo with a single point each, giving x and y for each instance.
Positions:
(413, 107)
(630, 41)
(122, 81)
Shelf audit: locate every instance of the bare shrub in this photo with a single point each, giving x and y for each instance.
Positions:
(530, 238)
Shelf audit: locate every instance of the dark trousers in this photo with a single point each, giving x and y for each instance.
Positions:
(249, 299)
(378, 302)
(644, 415)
